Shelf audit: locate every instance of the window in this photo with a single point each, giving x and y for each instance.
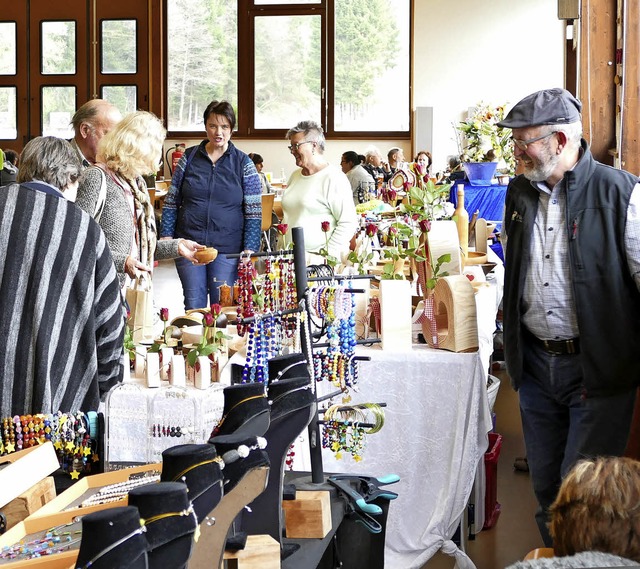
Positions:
(343, 63)
(8, 115)
(118, 46)
(58, 45)
(7, 48)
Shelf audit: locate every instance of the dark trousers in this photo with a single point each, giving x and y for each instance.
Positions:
(561, 425)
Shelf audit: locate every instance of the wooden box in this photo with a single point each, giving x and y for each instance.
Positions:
(20, 470)
(30, 501)
(85, 485)
(260, 552)
(309, 515)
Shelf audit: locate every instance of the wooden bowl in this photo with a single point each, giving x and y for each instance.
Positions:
(475, 258)
(206, 255)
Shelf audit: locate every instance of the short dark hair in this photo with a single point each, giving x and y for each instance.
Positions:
(11, 156)
(351, 157)
(257, 159)
(222, 108)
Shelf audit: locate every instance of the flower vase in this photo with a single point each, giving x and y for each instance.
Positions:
(395, 314)
(202, 373)
(177, 371)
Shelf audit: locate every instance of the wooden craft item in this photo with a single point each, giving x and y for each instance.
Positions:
(260, 551)
(152, 371)
(30, 501)
(202, 378)
(455, 313)
(140, 361)
(166, 354)
(177, 375)
(395, 315)
(309, 515)
(443, 238)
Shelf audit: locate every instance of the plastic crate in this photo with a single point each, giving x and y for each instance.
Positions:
(491, 505)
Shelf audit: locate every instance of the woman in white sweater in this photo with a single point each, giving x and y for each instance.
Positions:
(318, 192)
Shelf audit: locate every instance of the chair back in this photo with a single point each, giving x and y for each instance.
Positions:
(540, 552)
(267, 210)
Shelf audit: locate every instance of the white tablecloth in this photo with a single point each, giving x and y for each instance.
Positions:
(435, 435)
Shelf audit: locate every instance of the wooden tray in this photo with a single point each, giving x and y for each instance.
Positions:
(84, 486)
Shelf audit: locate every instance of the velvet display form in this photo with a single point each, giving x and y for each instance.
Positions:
(102, 530)
(246, 410)
(170, 527)
(196, 466)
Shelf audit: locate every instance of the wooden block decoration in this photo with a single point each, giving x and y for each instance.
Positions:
(152, 371)
(202, 373)
(177, 371)
(261, 552)
(309, 515)
(25, 468)
(456, 318)
(395, 315)
(140, 361)
(30, 501)
(165, 360)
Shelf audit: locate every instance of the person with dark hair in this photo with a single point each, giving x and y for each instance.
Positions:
(595, 519)
(318, 196)
(424, 158)
(8, 167)
(90, 123)
(259, 164)
(62, 325)
(395, 157)
(214, 199)
(571, 304)
(361, 181)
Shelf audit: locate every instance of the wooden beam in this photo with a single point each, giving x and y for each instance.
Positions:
(630, 104)
(597, 73)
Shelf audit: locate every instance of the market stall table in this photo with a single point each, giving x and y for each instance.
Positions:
(434, 437)
(488, 201)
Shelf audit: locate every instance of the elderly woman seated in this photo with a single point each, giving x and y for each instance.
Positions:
(595, 519)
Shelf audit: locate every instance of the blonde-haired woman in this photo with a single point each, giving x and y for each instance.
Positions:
(127, 153)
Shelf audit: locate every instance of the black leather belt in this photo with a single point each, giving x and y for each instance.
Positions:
(556, 347)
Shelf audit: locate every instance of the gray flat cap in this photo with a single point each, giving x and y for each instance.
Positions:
(549, 106)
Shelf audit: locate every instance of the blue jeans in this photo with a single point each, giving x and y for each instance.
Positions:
(202, 282)
(561, 426)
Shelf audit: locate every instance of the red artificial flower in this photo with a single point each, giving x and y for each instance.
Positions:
(425, 225)
(326, 226)
(393, 230)
(371, 229)
(419, 168)
(207, 320)
(282, 228)
(415, 217)
(216, 309)
(407, 186)
(392, 195)
(164, 314)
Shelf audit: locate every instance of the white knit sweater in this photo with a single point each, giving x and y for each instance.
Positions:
(323, 196)
(582, 559)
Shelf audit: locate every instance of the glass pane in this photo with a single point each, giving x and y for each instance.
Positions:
(8, 54)
(58, 106)
(124, 97)
(58, 48)
(118, 46)
(287, 70)
(205, 67)
(8, 114)
(372, 65)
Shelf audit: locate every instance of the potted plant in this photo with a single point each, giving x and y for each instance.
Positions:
(483, 145)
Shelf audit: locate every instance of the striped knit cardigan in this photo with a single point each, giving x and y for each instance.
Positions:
(61, 312)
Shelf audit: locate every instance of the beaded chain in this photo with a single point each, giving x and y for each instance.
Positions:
(246, 308)
(119, 490)
(69, 433)
(54, 540)
(337, 364)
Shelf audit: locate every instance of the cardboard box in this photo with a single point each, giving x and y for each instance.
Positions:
(309, 515)
(21, 470)
(83, 486)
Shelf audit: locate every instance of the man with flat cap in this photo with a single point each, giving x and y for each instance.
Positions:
(571, 298)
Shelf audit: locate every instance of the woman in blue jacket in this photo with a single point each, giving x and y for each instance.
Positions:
(215, 194)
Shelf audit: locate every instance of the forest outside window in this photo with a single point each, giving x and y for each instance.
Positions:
(344, 63)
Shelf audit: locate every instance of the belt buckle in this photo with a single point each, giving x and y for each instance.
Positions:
(551, 350)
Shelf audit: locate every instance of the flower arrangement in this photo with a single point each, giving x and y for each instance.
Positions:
(483, 140)
(363, 253)
(167, 333)
(212, 338)
(324, 252)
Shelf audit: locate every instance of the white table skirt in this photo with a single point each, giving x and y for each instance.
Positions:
(434, 437)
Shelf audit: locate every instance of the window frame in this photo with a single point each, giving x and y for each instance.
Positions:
(247, 12)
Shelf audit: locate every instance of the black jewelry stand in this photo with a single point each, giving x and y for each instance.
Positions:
(170, 522)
